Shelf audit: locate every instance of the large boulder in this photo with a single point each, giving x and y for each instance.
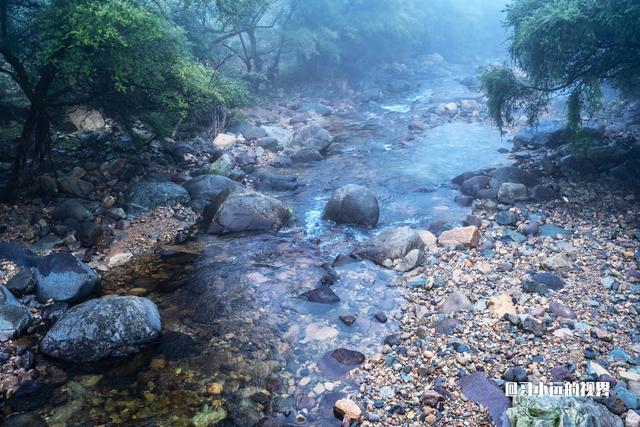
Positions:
(71, 209)
(63, 277)
(147, 195)
(474, 184)
(511, 192)
(224, 140)
(396, 247)
(75, 186)
(577, 166)
(85, 119)
(110, 326)
(208, 187)
(557, 410)
(14, 317)
(223, 166)
(312, 136)
(548, 133)
(274, 182)
(251, 132)
(283, 135)
(512, 174)
(244, 211)
(18, 254)
(353, 204)
(463, 236)
(306, 155)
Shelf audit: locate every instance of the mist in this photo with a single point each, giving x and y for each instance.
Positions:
(317, 213)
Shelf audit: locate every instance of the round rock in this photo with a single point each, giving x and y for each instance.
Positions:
(353, 204)
(110, 326)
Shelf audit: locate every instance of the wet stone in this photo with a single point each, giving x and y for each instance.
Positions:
(506, 218)
(381, 317)
(348, 357)
(348, 319)
(22, 283)
(321, 295)
(393, 339)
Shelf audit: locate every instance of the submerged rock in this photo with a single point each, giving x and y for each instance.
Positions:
(244, 211)
(347, 409)
(321, 295)
(556, 410)
(110, 326)
(14, 317)
(353, 204)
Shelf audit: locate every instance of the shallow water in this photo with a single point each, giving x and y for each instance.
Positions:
(239, 343)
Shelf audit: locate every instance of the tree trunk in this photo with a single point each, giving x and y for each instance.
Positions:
(35, 136)
(255, 56)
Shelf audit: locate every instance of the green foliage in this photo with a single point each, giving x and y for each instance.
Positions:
(567, 47)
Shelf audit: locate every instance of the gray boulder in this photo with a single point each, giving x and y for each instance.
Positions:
(208, 187)
(306, 155)
(251, 132)
(63, 277)
(75, 186)
(223, 166)
(556, 411)
(147, 195)
(393, 247)
(273, 182)
(71, 209)
(312, 136)
(576, 166)
(547, 134)
(244, 211)
(474, 184)
(14, 317)
(22, 283)
(510, 192)
(353, 204)
(110, 326)
(512, 174)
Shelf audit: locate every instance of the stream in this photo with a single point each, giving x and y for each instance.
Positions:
(238, 342)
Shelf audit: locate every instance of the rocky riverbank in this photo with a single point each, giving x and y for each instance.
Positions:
(550, 293)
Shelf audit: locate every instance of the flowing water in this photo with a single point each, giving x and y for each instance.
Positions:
(239, 342)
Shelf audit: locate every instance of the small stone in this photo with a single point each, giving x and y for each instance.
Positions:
(381, 317)
(348, 319)
(559, 262)
(345, 408)
(501, 305)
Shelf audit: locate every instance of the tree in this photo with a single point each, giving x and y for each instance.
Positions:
(247, 30)
(121, 55)
(565, 47)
